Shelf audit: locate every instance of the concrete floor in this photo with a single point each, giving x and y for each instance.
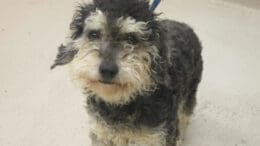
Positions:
(39, 107)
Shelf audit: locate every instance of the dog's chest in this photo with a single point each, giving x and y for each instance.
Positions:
(125, 136)
(145, 110)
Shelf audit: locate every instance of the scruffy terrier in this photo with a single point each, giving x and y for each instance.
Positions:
(140, 74)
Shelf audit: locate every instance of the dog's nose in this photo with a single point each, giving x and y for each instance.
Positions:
(108, 71)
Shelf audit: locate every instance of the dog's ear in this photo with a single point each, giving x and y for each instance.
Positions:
(67, 52)
(65, 55)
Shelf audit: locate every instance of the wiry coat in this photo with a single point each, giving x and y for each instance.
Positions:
(157, 114)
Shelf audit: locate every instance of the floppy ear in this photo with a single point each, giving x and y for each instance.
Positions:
(65, 55)
(67, 52)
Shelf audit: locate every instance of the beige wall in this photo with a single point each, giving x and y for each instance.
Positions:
(248, 3)
(39, 107)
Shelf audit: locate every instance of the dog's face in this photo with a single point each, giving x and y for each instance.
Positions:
(112, 49)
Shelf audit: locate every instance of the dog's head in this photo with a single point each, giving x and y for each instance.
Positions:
(112, 49)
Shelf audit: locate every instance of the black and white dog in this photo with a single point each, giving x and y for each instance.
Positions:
(140, 74)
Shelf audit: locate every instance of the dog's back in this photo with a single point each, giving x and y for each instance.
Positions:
(184, 62)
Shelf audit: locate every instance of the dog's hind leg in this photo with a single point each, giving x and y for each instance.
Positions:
(183, 119)
(185, 110)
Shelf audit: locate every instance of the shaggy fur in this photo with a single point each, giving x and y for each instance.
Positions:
(140, 74)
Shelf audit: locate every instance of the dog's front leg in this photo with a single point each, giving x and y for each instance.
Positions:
(99, 142)
(148, 142)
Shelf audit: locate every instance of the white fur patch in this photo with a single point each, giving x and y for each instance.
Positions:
(130, 25)
(85, 66)
(134, 75)
(96, 21)
(135, 71)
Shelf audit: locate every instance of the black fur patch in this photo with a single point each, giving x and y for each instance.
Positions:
(113, 9)
(138, 9)
(151, 110)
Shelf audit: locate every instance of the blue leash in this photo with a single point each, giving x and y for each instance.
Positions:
(155, 4)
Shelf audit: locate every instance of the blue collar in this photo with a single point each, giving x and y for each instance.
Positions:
(155, 4)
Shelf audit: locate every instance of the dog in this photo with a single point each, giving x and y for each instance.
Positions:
(140, 74)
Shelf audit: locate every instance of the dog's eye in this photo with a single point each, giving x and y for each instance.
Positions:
(132, 39)
(94, 34)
